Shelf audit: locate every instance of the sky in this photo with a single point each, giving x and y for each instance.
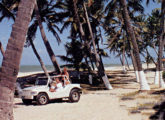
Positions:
(28, 57)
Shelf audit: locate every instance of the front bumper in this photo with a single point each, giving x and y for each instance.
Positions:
(27, 95)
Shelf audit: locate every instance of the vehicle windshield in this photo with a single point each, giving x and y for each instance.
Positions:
(41, 81)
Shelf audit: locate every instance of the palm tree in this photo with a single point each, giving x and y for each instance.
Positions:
(75, 55)
(39, 59)
(30, 34)
(46, 42)
(8, 10)
(97, 59)
(11, 61)
(115, 27)
(143, 82)
(47, 12)
(161, 45)
(151, 37)
(99, 66)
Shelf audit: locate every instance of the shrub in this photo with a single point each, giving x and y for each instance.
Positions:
(163, 74)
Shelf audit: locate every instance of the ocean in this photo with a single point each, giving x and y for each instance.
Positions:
(37, 68)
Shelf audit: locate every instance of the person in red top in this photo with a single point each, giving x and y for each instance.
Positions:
(65, 77)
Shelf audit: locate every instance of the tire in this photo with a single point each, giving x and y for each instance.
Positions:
(26, 101)
(74, 95)
(42, 99)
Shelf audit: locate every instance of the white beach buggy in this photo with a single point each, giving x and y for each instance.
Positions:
(42, 95)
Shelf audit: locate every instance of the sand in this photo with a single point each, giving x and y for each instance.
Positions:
(93, 105)
(90, 107)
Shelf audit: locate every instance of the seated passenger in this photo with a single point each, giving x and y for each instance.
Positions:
(56, 85)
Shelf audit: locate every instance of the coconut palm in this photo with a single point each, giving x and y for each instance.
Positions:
(46, 13)
(153, 39)
(11, 61)
(30, 36)
(7, 10)
(101, 71)
(75, 55)
(161, 44)
(46, 42)
(143, 82)
(115, 27)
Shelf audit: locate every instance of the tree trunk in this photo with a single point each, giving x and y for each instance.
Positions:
(143, 82)
(11, 60)
(92, 64)
(99, 66)
(46, 42)
(39, 59)
(161, 45)
(127, 63)
(123, 61)
(2, 50)
(156, 80)
(101, 60)
(86, 61)
(135, 66)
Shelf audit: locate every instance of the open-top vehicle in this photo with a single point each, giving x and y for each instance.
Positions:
(42, 95)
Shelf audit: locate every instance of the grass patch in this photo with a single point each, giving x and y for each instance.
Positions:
(147, 113)
(139, 108)
(129, 96)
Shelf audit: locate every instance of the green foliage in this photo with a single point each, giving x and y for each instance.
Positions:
(163, 74)
(74, 55)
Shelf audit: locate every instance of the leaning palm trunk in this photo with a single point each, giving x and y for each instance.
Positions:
(39, 59)
(83, 36)
(101, 60)
(99, 66)
(127, 63)
(143, 82)
(11, 61)
(123, 61)
(123, 57)
(46, 42)
(2, 50)
(92, 64)
(161, 45)
(156, 80)
(134, 66)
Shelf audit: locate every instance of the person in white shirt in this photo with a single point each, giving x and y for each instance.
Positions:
(56, 85)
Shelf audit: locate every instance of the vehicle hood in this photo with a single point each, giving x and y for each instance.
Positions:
(36, 88)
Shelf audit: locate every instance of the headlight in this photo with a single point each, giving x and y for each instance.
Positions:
(33, 93)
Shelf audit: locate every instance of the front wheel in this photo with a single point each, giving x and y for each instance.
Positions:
(74, 95)
(26, 101)
(42, 99)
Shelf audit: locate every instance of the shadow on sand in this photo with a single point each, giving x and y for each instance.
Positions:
(159, 108)
(35, 104)
(160, 112)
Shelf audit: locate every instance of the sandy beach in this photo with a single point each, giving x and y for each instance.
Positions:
(97, 105)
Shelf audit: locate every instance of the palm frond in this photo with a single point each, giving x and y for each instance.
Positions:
(50, 28)
(31, 34)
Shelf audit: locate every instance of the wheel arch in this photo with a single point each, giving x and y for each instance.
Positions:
(43, 93)
(76, 88)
